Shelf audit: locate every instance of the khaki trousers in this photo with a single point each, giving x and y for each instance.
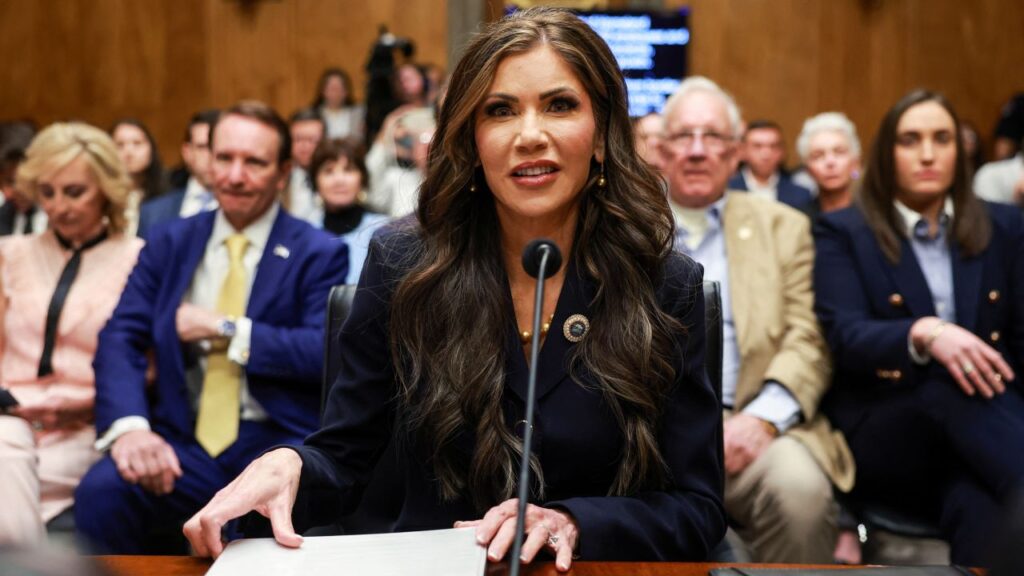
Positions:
(783, 507)
(38, 476)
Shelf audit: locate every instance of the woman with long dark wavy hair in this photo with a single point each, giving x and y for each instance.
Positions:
(919, 290)
(533, 140)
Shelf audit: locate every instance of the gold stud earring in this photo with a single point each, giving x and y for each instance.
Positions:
(601, 182)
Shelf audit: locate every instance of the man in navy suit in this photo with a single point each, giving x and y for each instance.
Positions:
(196, 196)
(762, 151)
(226, 387)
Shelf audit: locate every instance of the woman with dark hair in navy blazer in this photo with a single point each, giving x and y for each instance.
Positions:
(920, 291)
(533, 140)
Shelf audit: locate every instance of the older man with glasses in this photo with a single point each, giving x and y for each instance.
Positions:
(781, 456)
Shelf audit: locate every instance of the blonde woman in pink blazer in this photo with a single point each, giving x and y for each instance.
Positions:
(57, 290)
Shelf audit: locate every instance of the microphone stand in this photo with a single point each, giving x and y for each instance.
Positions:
(531, 390)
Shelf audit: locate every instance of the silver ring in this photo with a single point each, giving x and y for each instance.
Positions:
(968, 368)
(553, 540)
(37, 425)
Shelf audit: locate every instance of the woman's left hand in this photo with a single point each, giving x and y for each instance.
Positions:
(544, 527)
(57, 413)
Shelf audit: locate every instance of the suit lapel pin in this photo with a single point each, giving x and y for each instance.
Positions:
(281, 251)
(575, 327)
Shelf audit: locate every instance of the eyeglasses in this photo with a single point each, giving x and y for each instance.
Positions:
(709, 139)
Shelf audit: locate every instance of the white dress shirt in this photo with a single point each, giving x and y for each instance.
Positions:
(995, 181)
(301, 197)
(197, 199)
(769, 189)
(39, 221)
(204, 292)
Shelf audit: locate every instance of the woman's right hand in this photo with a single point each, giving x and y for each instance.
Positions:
(268, 485)
(57, 413)
(976, 366)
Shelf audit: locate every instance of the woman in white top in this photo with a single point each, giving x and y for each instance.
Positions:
(334, 100)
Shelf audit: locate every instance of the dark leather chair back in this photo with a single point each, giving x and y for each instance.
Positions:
(713, 335)
(382, 499)
(339, 303)
(713, 367)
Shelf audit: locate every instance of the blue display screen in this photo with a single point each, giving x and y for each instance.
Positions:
(651, 50)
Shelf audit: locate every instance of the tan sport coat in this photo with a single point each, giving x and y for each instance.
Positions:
(771, 259)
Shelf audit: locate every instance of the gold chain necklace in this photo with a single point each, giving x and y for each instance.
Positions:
(526, 335)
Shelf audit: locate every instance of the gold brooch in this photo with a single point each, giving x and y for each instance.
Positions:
(575, 327)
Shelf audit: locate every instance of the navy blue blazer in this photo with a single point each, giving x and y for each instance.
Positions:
(577, 440)
(286, 305)
(866, 306)
(160, 209)
(789, 193)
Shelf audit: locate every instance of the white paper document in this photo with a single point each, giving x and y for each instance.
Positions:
(451, 552)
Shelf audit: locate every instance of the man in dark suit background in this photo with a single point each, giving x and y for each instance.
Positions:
(196, 195)
(228, 306)
(761, 174)
(18, 215)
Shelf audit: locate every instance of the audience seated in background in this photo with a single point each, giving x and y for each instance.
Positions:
(195, 196)
(830, 149)
(392, 90)
(919, 293)
(761, 173)
(1002, 181)
(231, 305)
(141, 158)
(781, 456)
(18, 214)
(973, 149)
(307, 130)
(339, 177)
(647, 137)
(398, 159)
(437, 83)
(57, 290)
(335, 102)
(1010, 128)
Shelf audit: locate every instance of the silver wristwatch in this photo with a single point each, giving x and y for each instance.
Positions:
(227, 327)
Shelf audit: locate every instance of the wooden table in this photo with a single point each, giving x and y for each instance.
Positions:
(188, 566)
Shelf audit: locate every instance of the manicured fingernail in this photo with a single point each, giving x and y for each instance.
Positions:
(562, 566)
(492, 556)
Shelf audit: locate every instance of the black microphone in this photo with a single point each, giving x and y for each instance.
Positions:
(532, 255)
(541, 259)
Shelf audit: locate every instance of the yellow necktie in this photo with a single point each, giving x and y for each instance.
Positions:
(217, 422)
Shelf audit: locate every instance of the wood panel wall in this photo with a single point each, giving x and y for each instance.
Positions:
(161, 60)
(789, 59)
